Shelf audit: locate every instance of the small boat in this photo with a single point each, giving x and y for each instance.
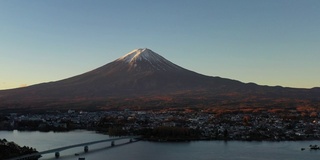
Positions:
(302, 149)
(81, 158)
(314, 147)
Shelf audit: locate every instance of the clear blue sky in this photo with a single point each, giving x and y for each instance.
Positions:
(268, 42)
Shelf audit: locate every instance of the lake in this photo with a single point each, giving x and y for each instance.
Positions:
(144, 150)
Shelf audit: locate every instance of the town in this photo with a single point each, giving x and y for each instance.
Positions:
(175, 125)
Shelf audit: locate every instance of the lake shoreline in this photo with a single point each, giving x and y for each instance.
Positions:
(173, 139)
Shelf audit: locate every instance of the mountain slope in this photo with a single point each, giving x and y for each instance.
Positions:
(142, 73)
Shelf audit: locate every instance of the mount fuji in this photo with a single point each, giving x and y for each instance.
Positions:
(144, 78)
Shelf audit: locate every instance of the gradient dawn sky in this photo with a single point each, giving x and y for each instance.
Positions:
(268, 42)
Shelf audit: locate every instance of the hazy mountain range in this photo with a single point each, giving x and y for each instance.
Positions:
(144, 79)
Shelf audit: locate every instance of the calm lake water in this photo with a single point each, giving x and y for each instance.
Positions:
(143, 150)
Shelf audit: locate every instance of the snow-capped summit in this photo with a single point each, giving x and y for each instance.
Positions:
(139, 54)
(146, 58)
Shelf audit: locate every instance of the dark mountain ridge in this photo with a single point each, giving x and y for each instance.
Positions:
(143, 74)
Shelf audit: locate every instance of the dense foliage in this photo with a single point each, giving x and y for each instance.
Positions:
(10, 150)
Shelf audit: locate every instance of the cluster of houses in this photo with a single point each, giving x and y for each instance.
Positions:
(228, 126)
